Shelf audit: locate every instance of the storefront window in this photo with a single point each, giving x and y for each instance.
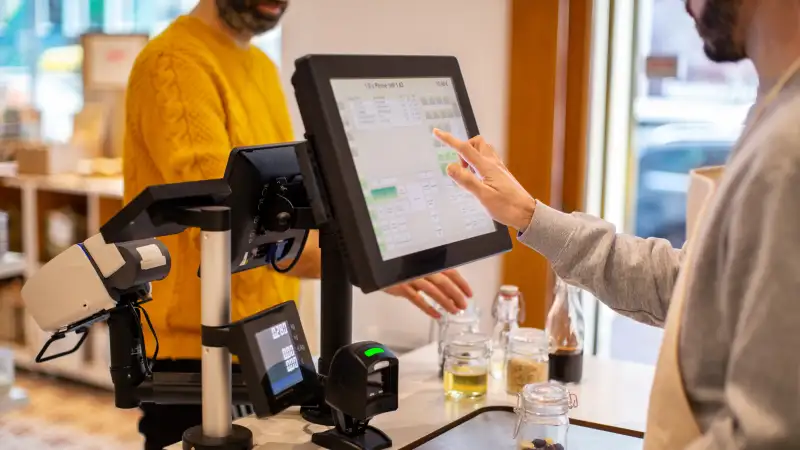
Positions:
(40, 56)
(686, 112)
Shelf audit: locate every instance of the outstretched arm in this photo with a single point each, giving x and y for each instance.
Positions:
(631, 275)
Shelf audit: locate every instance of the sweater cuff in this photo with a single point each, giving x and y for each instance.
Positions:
(549, 232)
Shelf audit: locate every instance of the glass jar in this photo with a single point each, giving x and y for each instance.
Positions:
(507, 311)
(6, 372)
(453, 325)
(565, 330)
(526, 359)
(466, 366)
(542, 416)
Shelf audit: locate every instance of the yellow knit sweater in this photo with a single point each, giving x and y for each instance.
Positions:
(193, 95)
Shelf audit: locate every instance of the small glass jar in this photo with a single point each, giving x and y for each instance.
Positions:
(6, 372)
(507, 311)
(466, 366)
(565, 329)
(526, 359)
(542, 416)
(453, 325)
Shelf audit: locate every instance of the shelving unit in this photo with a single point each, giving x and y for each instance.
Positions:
(95, 198)
(99, 199)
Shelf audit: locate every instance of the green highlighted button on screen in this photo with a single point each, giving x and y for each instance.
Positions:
(373, 351)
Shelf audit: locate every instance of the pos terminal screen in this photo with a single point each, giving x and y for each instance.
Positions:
(279, 356)
(413, 204)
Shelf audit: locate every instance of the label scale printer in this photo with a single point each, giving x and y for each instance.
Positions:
(370, 176)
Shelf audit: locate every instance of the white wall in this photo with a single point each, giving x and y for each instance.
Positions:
(476, 33)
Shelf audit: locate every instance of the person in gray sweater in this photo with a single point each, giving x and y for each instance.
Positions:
(739, 344)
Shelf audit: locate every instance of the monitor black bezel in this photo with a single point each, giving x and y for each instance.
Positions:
(244, 201)
(325, 131)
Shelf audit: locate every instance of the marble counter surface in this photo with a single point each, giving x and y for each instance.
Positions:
(612, 393)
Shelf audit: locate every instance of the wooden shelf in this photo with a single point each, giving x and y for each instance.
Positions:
(11, 203)
(95, 198)
(52, 201)
(70, 184)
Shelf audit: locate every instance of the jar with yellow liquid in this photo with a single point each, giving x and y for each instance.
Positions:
(466, 366)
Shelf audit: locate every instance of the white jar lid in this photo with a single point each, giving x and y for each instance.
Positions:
(509, 289)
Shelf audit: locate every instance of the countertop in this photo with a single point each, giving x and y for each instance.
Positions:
(612, 393)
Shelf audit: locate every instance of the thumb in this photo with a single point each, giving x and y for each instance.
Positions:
(465, 178)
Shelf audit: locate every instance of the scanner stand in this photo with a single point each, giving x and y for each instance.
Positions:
(351, 434)
(336, 328)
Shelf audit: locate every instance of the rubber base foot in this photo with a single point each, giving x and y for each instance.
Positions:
(240, 438)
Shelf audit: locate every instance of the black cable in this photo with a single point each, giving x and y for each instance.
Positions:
(152, 330)
(133, 307)
(288, 268)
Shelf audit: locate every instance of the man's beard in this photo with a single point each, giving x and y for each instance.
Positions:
(717, 27)
(243, 16)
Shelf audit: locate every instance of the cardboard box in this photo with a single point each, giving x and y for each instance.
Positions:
(46, 160)
(90, 131)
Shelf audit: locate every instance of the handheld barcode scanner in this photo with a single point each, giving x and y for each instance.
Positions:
(362, 383)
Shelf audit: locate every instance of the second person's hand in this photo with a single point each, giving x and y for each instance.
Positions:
(484, 175)
(449, 289)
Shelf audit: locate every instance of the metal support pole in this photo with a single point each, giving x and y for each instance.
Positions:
(215, 282)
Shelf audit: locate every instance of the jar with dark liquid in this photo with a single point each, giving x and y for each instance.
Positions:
(565, 332)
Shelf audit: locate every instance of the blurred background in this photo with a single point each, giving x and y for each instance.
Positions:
(687, 112)
(654, 109)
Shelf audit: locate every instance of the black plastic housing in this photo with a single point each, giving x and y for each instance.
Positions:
(363, 380)
(333, 159)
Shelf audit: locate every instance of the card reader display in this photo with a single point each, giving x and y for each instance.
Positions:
(279, 356)
(413, 204)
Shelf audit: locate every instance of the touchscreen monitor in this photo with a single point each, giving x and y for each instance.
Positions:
(369, 120)
(413, 204)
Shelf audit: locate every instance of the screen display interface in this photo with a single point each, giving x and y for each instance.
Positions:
(413, 204)
(280, 358)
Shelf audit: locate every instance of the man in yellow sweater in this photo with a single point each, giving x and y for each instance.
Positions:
(196, 91)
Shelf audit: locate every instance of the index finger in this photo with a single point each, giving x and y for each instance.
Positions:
(469, 153)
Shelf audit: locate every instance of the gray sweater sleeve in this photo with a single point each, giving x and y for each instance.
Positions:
(631, 275)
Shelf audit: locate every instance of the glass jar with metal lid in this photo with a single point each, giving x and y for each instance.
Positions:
(542, 416)
(507, 311)
(466, 366)
(453, 325)
(526, 359)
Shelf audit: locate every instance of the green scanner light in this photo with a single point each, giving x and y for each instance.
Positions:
(373, 351)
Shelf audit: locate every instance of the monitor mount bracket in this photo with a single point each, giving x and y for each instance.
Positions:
(164, 216)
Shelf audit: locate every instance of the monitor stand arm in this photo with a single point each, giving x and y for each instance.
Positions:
(337, 332)
(337, 318)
